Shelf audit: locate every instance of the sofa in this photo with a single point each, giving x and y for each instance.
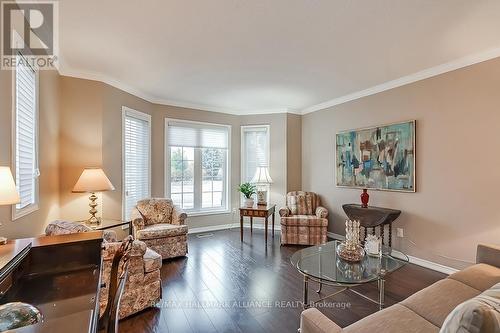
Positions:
(424, 311)
(161, 225)
(303, 220)
(143, 284)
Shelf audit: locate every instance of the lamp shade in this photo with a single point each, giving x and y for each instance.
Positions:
(93, 180)
(261, 176)
(8, 191)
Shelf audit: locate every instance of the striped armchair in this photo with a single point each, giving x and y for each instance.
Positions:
(303, 220)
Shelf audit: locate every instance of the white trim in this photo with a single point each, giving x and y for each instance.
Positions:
(462, 62)
(126, 111)
(67, 71)
(432, 265)
(198, 230)
(418, 76)
(219, 227)
(227, 190)
(413, 260)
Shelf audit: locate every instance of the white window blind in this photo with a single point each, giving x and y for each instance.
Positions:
(137, 151)
(254, 150)
(184, 134)
(26, 123)
(197, 167)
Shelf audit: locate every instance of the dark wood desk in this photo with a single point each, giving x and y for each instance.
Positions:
(372, 217)
(257, 211)
(60, 275)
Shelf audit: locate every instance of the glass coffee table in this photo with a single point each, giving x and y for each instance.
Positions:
(105, 224)
(321, 264)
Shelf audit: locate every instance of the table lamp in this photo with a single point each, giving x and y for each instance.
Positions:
(262, 180)
(8, 191)
(93, 180)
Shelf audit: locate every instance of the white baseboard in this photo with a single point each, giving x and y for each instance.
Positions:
(198, 230)
(413, 260)
(432, 265)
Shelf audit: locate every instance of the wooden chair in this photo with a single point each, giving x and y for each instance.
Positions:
(109, 320)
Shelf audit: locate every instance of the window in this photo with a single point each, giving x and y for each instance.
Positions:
(197, 165)
(254, 150)
(136, 158)
(25, 137)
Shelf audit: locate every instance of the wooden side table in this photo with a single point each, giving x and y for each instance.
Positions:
(372, 217)
(257, 211)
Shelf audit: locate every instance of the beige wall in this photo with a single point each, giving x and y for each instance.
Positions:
(34, 223)
(91, 135)
(294, 152)
(458, 121)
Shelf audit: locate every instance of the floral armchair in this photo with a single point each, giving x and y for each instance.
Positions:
(143, 284)
(161, 225)
(303, 220)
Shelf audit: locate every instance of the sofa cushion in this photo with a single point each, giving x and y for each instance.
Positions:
(435, 302)
(480, 314)
(395, 319)
(152, 260)
(162, 230)
(304, 220)
(155, 210)
(480, 276)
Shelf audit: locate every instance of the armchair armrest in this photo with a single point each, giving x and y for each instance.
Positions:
(313, 321)
(285, 211)
(178, 216)
(321, 212)
(137, 221)
(488, 254)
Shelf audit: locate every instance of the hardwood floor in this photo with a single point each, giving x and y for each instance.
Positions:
(228, 286)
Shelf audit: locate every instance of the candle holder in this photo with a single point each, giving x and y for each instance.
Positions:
(351, 249)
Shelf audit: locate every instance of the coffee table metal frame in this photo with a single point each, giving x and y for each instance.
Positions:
(346, 286)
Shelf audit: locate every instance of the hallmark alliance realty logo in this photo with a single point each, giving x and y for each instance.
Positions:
(29, 33)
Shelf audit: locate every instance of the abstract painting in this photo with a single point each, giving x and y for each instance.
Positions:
(381, 157)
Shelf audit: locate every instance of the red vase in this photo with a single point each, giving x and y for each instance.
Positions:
(365, 197)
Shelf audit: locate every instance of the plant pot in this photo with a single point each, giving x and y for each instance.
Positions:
(249, 202)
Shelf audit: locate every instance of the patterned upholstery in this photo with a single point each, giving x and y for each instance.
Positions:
(60, 227)
(143, 285)
(303, 221)
(161, 225)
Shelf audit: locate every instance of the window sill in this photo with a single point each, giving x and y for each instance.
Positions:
(207, 212)
(19, 213)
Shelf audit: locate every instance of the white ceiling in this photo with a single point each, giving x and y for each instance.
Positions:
(259, 56)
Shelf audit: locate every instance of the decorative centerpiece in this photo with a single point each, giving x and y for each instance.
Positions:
(373, 245)
(247, 189)
(351, 249)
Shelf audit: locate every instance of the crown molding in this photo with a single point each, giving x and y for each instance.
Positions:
(402, 81)
(66, 70)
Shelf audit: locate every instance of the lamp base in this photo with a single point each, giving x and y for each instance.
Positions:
(261, 197)
(93, 204)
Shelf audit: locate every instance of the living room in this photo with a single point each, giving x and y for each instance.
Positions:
(269, 166)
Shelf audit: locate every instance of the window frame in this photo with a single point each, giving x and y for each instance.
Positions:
(126, 111)
(243, 148)
(198, 187)
(33, 207)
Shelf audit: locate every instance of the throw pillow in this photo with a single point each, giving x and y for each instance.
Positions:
(480, 314)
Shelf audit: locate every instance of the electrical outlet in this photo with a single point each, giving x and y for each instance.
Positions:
(400, 232)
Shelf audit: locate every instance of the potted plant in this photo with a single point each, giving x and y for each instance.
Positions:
(248, 190)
